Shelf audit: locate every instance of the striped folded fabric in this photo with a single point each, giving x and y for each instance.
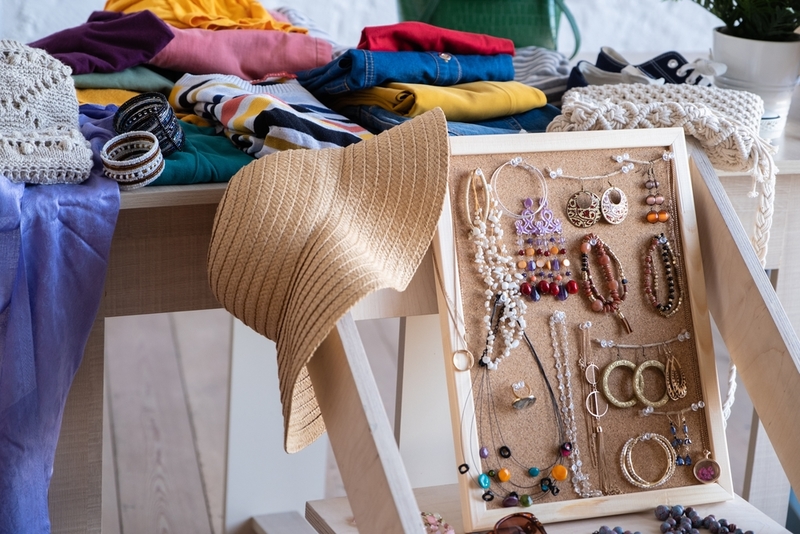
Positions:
(542, 68)
(264, 118)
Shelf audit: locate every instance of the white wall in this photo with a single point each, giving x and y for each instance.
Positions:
(626, 25)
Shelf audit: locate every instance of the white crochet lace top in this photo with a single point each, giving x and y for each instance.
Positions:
(39, 137)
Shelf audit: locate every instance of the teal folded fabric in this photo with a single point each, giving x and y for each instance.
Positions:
(139, 79)
(206, 157)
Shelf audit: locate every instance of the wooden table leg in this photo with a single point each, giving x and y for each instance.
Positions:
(75, 496)
(372, 470)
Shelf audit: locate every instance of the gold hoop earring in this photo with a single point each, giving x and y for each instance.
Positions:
(626, 461)
(607, 392)
(638, 383)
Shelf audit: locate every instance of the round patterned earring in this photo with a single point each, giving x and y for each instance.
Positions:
(583, 208)
(614, 205)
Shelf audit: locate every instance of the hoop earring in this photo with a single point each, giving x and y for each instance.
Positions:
(614, 205)
(626, 461)
(586, 212)
(607, 391)
(480, 212)
(519, 162)
(638, 383)
(541, 247)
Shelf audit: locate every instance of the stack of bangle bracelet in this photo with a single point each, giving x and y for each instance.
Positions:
(132, 159)
(151, 112)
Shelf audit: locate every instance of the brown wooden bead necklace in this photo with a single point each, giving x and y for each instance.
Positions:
(617, 290)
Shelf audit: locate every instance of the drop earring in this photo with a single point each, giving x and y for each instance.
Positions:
(583, 208)
(654, 199)
(676, 379)
(614, 205)
(681, 445)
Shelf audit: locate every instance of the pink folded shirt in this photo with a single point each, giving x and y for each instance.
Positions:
(247, 54)
(422, 37)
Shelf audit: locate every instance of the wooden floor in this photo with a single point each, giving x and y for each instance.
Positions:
(167, 393)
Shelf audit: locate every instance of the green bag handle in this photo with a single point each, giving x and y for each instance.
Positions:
(573, 24)
(427, 14)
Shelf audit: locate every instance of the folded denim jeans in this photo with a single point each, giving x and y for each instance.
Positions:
(362, 69)
(376, 119)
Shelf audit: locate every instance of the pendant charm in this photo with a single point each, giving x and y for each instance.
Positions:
(707, 470)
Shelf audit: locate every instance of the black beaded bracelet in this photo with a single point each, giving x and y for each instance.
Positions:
(151, 112)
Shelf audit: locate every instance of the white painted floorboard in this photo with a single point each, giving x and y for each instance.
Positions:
(197, 343)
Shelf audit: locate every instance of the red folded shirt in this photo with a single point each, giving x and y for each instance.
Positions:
(421, 37)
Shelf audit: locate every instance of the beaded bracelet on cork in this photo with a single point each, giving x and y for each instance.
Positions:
(617, 290)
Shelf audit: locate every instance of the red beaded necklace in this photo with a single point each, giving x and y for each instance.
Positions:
(617, 290)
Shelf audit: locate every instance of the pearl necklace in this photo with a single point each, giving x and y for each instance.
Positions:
(495, 266)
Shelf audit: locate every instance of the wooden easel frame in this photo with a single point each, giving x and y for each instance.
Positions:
(476, 515)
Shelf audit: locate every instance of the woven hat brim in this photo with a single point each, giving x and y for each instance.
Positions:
(301, 236)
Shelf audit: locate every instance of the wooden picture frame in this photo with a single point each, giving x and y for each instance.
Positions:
(588, 152)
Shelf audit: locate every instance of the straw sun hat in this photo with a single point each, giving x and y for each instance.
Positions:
(300, 236)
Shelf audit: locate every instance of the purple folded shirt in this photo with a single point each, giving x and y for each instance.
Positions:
(109, 42)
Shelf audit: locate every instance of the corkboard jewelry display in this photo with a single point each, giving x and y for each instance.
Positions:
(579, 358)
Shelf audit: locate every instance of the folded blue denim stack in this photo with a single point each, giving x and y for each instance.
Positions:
(358, 69)
(670, 67)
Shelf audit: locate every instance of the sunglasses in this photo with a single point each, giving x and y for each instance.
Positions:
(521, 523)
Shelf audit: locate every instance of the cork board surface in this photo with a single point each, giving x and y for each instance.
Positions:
(534, 434)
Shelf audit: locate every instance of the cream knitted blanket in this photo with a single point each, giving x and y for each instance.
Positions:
(725, 122)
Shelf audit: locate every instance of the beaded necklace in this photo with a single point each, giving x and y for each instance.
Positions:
(558, 334)
(496, 475)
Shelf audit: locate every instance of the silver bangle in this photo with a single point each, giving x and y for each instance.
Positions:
(132, 159)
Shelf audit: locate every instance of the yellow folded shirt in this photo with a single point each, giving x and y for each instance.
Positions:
(208, 14)
(466, 102)
(104, 97)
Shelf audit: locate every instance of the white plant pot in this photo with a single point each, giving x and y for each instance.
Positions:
(769, 69)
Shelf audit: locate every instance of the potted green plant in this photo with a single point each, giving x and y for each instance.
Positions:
(759, 45)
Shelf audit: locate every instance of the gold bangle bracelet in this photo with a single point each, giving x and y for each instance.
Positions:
(626, 461)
